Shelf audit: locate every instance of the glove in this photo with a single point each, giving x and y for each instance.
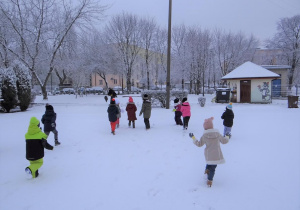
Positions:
(174, 110)
(192, 136)
(52, 125)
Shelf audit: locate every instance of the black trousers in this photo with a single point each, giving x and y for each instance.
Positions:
(147, 123)
(178, 117)
(186, 121)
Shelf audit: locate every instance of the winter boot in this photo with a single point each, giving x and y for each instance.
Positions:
(113, 132)
(129, 124)
(56, 142)
(209, 183)
(133, 124)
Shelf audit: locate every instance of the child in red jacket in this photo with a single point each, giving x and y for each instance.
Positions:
(131, 109)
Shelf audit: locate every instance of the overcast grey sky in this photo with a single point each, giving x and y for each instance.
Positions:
(257, 17)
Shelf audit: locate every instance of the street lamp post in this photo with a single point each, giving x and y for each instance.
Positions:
(169, 55)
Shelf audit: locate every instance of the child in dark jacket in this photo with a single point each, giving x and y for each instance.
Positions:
(35, 144)
(131, 109)
(113, 111)
(146, 110)
(228, 117)
(49, 121)
(177, 110)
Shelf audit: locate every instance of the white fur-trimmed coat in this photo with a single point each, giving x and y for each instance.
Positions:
(213, 153)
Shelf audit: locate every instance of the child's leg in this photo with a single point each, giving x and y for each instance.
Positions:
(113, 126)
(133, 124)
(55, 132)
(147, 123)
(227, 131)
(183, 122)
(118, 122)
(211, 172)
(129, 124)
(34, 166)
(179, 119)
(187, 121)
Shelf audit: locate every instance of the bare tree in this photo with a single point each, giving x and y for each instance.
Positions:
(147, 36)
(41, 27)
(231, 50)
(125, 32)
(179, 48)
(101, 56)
(160, 47)
(287, 39)
(199, 43)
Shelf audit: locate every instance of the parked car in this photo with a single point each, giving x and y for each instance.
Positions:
(95, 90)
(68, 91)
(133, 89)
(117, 88)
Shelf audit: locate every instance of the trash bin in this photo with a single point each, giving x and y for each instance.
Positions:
(293, 101)
(222, 95)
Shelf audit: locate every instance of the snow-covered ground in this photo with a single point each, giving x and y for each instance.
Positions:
(158, 169)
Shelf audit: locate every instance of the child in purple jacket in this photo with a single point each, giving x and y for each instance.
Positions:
(177, 110)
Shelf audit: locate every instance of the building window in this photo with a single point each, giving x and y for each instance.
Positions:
(100, 82)
(115, 81)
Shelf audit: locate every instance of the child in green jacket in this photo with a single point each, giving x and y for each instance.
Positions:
(36, 141)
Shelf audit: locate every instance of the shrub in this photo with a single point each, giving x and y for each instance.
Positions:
(9, 90)
(23, 85)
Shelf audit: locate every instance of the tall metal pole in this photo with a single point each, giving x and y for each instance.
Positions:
(169, 55)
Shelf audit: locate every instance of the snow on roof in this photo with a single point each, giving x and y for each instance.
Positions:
(250, 70)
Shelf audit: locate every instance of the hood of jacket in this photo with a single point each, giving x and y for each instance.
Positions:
(185, 103)
(34, 131)
(211, 133)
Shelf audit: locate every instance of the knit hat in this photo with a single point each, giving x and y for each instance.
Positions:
(113, 101)
(145, 96)
(184, 99)
(49, 107)
(130, 99)
(229, 106)
(208, 124)
(176, 100)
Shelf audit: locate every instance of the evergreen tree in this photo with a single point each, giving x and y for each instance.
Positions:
(9, 90)
(23, 85)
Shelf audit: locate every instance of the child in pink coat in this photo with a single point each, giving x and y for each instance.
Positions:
(186, 113)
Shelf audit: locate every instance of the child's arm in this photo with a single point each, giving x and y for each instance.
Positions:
(46, 144)
(223, 116)
(223, 140)
(196, 141)
(142, 110)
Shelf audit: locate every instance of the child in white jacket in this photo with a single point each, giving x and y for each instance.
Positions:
(213, 153)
